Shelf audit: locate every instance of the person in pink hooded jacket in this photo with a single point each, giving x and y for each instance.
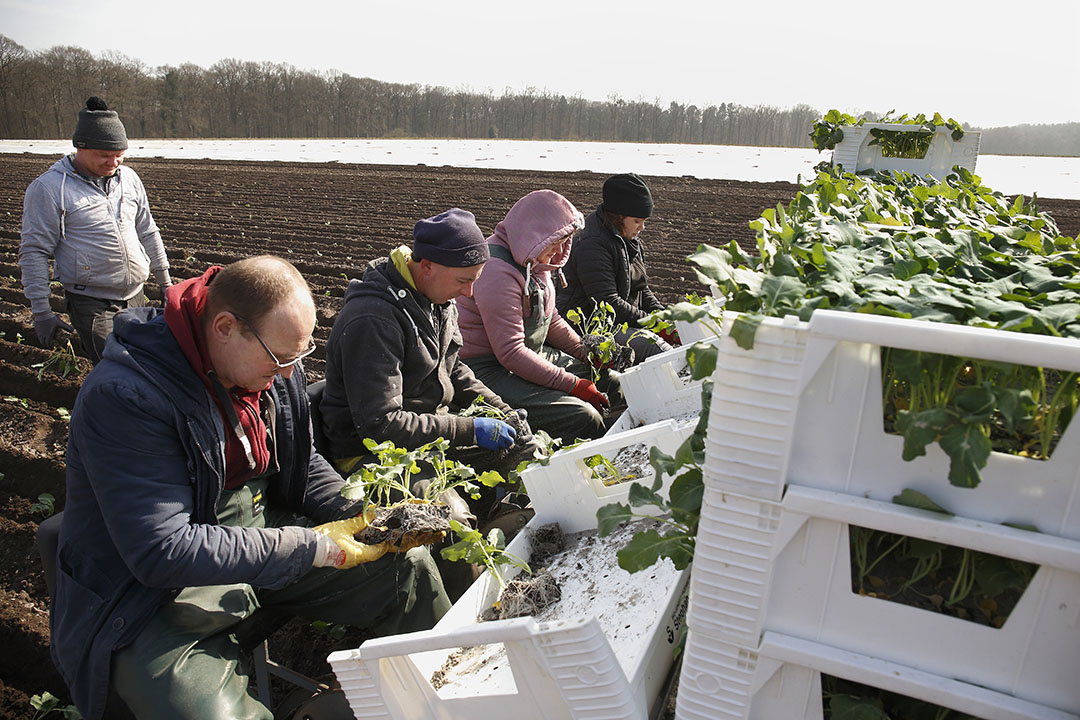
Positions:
(514, 339)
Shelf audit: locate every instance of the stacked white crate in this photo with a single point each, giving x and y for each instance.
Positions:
(795, 453)
(856, 153)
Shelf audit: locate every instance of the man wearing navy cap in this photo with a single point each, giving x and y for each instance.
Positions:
(392, 366)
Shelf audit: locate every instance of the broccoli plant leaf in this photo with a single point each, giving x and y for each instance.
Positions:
(916, 499)
(919, 429)
(649, 546)
(968, 448)
(610, 517)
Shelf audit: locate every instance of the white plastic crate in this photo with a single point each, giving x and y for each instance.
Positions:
(785, 567)
(856, 153)
(804, 407)
(626, 421)
(566, 489)
(655, 390)
(781, 680)
(690, 333)
(609, 661)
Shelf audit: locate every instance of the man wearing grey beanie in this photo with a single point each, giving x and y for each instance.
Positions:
(92, 217)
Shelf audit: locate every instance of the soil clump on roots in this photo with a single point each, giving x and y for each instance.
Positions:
(408, 521)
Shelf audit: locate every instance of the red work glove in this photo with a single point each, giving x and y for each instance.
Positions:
(599, 364)
(670, 335)
(585, 390)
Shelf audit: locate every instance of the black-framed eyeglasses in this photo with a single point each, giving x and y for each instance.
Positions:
(280, 365)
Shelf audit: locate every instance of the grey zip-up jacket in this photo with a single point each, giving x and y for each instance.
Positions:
(103, 245)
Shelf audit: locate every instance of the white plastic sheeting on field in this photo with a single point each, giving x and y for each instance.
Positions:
(1051, 177)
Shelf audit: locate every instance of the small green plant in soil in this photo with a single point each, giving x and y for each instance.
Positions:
(598, 337)
(64, 359)
(605, 470)
(694, 298)
(390, 479)
(490, 551)
(45, 505)
(47, 703)
(336, 631)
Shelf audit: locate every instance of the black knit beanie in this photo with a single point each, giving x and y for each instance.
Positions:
(628, 195)
(451, 238)
(99, 128)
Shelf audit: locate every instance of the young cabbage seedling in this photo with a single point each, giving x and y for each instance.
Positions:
(65, 359)
(490, 552)
(389, 480)
(598, 337)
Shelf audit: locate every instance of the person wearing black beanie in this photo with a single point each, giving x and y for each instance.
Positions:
(608, 265)
(93, 219)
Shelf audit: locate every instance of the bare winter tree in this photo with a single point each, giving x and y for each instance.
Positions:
(41, 93)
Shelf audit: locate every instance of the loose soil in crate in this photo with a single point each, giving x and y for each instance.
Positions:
(329, 219)
(627, 606)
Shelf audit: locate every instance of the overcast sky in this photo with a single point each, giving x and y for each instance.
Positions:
(985, 62)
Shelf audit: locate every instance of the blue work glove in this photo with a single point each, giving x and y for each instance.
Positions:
(492, 434)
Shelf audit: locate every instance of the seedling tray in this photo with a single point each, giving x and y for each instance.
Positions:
(661, 387)
(804, 407)
(781, 680)
(604, 654)
(762, 566)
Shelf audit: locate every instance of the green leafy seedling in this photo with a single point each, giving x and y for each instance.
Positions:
(473, 547)
(45, 505)
(47, 703)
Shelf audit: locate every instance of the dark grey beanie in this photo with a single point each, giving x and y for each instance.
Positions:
(99, 128)
(451, 238)
(628, 195)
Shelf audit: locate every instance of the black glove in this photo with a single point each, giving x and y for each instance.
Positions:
(520, 422)
(46, 325)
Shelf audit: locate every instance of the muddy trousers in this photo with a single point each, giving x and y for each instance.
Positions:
(558, 413)
(187, 664)
(92, 318)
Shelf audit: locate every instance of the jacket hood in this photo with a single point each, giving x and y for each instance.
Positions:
(380, 279)
(184, 303)
(535, 222)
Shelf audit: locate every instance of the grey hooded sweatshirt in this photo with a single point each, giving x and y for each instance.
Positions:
(105, 244)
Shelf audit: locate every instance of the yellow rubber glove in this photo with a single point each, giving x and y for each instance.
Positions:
(342, 533)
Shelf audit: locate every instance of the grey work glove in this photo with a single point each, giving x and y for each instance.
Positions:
(519, 420)
(46, 325)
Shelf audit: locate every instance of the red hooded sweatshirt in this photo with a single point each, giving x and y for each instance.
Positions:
(183, 309)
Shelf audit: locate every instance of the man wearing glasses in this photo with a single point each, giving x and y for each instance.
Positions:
(192, 492)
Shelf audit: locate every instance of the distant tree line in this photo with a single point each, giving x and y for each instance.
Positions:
(41, 93)
(1057, 139)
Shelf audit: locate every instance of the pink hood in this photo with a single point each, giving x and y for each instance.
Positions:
(536, 221)
(492, 320)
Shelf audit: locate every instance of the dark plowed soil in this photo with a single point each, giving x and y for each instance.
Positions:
(329, 220)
